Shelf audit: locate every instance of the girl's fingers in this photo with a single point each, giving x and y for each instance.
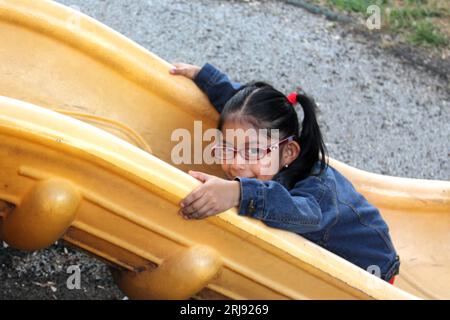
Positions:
(178, 65)
(177, 68)
(195, 206)
(178, 71)
(191, 197)
(182, 69)
(187, 70)
(203, 177)
(201, 213)
(210, 212)
(184, 216)
(197, 215)
(197, 175)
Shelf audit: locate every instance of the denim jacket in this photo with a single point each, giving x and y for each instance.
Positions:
(325, 209)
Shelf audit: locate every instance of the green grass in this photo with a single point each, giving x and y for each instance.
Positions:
(359, 6)
(407, 17)
(412, 18)
(426, 33)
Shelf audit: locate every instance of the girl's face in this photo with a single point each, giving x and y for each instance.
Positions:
(263, 169)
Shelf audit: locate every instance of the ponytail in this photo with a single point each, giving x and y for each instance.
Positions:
(312, 146)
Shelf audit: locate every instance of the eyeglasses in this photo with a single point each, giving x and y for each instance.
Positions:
(248, 153)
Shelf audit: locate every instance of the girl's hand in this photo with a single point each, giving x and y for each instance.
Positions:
(183, 69)
(214, 196)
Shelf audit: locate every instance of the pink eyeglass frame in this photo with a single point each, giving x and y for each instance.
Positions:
(267, 150)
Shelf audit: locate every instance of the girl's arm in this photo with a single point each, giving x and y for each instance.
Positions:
(215, 84)
(296, 211)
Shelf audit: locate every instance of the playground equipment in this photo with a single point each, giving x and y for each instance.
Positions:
(86, 118)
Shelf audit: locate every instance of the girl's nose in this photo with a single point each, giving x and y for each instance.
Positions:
(239, 161)
(237, 166)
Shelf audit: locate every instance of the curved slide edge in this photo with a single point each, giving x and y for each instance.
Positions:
(119, 227)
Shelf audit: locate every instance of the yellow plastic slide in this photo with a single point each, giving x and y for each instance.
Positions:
(86, 118)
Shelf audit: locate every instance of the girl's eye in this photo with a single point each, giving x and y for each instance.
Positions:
(255, 152)
(229, 151)
(222, 152)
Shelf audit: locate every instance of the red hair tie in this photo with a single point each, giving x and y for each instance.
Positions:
(292, 97)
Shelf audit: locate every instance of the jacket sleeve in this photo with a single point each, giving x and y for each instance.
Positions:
(216, 85)
(296, 210)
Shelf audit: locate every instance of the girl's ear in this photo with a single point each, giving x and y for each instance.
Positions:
(291, 152)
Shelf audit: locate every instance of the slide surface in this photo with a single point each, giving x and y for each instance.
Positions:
(86, 118)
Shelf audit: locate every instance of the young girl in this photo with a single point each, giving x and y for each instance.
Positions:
(305, 195)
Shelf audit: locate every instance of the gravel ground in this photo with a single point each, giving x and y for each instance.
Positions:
(377, 113)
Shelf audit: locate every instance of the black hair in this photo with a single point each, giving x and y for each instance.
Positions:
(264, 107)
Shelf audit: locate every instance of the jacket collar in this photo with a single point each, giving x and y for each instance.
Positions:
(281, 177)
